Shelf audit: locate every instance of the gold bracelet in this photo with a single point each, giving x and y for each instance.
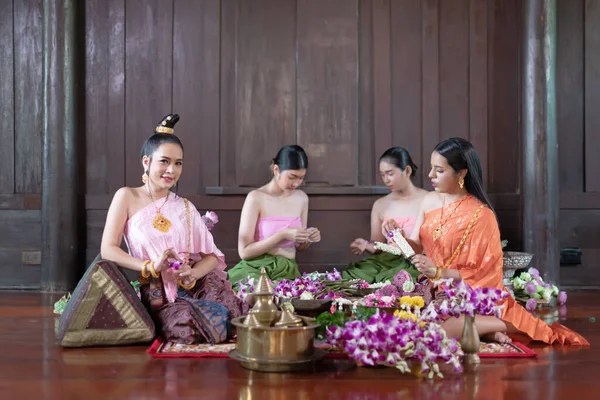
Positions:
(438, 273)
(152, 270)
(144, 272)
(188, 286)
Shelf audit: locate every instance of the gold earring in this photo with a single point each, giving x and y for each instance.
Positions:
(461, 182)
(145, 178)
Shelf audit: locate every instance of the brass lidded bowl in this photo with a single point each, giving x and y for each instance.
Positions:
(287, 344)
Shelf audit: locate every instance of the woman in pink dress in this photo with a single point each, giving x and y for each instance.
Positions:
(181, 269)
(401, 206)
(273, 224)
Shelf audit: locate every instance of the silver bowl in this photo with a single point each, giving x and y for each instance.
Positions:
(512, 261)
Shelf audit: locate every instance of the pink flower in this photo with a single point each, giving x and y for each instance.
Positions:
(530, 288)
(530, 305)
(210, 219)
(534, 272)
(562, 298)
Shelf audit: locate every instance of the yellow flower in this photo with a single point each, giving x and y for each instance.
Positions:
(418, 301)
(406, 300)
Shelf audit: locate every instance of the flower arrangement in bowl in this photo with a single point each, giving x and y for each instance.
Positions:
(313, 286)
(511, 262)
(530, 288)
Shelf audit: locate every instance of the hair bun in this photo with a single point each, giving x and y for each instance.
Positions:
(167, 124)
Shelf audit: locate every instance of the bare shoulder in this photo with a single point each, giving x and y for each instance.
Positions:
(254, 199)
(126, 194)
(431, 201)
(381, 203)
(300, 195)
(422, 193)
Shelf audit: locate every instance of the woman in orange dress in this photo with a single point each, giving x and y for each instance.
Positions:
(458, 232)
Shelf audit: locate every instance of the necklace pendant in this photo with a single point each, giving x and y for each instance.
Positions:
(161, 223)
(436, 233)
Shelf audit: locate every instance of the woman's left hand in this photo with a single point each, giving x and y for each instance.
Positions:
(185, 273)
(314, 235)
(424, 265)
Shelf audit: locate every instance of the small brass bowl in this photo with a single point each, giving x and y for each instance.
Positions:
(278, 344)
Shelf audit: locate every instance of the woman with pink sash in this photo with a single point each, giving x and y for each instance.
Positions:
(273, 224)
(181, 269)
(401, 206)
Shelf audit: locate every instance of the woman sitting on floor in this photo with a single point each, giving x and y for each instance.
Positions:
(183, 280)
(273, 221)
(458, 231)
(401, 205)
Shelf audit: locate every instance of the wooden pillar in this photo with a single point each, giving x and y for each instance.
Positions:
(60, 209)
(540, 140)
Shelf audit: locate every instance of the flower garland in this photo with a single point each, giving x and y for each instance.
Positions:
(321, 286)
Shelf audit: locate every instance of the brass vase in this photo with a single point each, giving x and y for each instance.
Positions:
(469, 341)
(264, 309)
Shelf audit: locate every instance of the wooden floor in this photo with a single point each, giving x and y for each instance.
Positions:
(33, 366)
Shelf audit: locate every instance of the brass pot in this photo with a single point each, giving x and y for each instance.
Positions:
(276, 343)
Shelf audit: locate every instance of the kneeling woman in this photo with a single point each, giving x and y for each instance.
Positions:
(458, 230)
(397, 209)
(273, 221)
(191, 302)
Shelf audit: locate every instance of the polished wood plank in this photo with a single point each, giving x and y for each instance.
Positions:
(33, 366)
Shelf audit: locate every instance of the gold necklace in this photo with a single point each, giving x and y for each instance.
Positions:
(160, 223)
(439, 231)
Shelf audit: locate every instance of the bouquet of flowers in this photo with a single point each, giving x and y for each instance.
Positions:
(414, 334)
(531, 288)
(395, 342)
(462, 299)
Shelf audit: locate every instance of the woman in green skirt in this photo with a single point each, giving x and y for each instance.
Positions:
(273, 224)
(400, 205)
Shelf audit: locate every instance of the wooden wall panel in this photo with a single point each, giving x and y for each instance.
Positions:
(196, 90)
(592, 94)
(478, 81)
(382, 80)
(570, 103)
(406, 66)
(504, 160)
(580, 228)
(265, 106)
(431, 88)
(105, 96)
(327, 89)
(367, 171)
(21, 231)
(148, 76)
(7, 110)
(454, 68)
(28, 60)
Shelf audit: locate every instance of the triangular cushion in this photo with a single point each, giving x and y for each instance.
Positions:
(104, 310)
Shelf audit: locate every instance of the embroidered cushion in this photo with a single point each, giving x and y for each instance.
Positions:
(104, 310)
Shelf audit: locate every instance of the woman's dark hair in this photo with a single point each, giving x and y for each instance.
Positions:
(400, 157)
(164, 133)
(290, 157)
(461, 154)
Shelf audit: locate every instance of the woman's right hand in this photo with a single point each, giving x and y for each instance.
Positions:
(298, 235)
(389, 226)
(162, 264)
(358, 246)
